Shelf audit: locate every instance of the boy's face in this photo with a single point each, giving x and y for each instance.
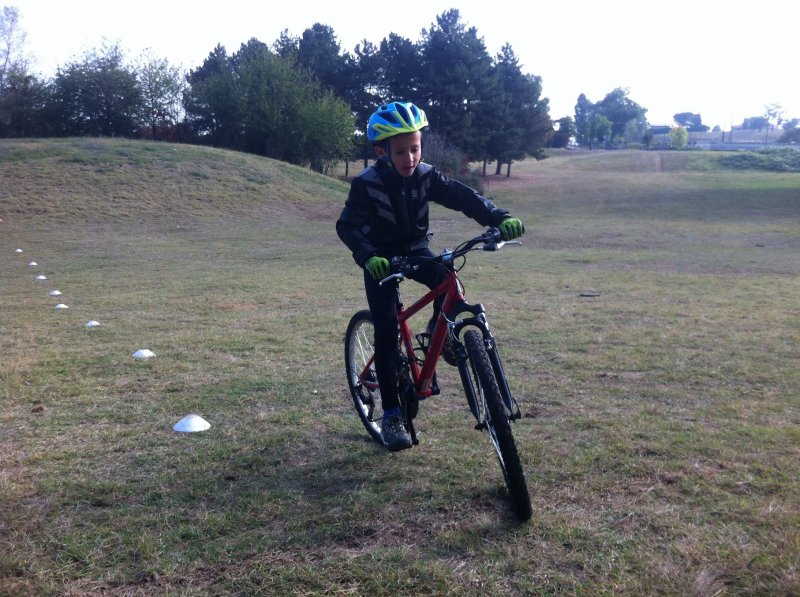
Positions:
(405, 151)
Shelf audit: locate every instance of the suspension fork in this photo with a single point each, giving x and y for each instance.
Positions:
(500, 375)
(478, 320)
(469, 389)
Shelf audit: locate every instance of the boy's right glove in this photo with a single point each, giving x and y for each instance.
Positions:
(378, 267)
(511, 228)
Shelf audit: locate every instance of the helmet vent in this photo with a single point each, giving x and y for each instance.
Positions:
(394, 119)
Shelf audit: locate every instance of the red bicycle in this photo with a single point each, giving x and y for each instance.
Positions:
(477, 358)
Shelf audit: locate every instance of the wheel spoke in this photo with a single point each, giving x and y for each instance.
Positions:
(361, 372)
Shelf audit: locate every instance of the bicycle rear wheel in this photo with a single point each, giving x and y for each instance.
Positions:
(359, 359)
(496, 418)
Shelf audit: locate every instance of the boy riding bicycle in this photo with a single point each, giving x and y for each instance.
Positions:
(385, 216)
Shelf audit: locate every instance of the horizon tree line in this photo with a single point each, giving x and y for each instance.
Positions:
(302, 99)
(305, 101)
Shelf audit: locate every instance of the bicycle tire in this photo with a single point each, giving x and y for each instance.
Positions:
(358, 350)
(496, 418)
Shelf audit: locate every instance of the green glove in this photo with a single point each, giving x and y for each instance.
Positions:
(378, 267)
(511, 228)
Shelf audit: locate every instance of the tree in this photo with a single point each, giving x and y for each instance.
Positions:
(162, 88)
(456, 68)
(262, 103)
(328, 125)
(628, 121)
(789, 125)
(12, 40)
(755, 123)
(212, 102)
(601, 129)
(593, 128)
(364, 68)
(791, 131)
(318, 51)
(616, 119)
(585, 114)
(565, 130)
(533, 110)
(401, 70)
(679, 136)
(773, 113)
(22, 96)
(499, 133)
(692, 122)
(520, 124)
(791, 136)
(99, 95)
(271, 95)
(23, 106)
(286, 46)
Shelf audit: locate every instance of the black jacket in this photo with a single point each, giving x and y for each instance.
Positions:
(387, 215)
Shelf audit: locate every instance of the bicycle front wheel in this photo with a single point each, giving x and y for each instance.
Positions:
(496, 418)
(359, 358)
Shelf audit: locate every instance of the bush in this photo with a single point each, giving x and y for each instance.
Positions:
(473, 178)
(439, 152)
(790, 136)
(774, 159)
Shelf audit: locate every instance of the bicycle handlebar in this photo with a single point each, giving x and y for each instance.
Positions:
(491, 240)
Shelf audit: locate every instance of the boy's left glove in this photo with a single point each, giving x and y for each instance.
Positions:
(511, 228)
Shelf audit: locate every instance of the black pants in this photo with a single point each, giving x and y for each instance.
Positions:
(383, 306)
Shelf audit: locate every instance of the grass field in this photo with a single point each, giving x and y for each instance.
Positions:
(650, 323)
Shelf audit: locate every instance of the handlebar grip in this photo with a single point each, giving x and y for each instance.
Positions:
(495, 234)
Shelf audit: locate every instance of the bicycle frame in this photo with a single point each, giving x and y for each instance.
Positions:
(453, 292)
(422, 377)
(454, 303)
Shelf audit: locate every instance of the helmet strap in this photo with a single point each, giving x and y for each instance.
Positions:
(386, 157)
(387, 149)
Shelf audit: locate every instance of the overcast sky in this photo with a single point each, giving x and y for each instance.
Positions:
(725, 60)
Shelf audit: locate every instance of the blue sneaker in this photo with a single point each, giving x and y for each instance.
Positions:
(395, 436)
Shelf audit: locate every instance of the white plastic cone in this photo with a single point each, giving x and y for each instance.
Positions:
(54, 293)
(191, 424)
(18, 250)
(33, 263)
(144, 353)
(61, 306)
(92, 324)
(41, 277)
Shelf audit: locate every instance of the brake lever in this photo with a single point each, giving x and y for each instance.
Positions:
(496, 246)
(397, 276)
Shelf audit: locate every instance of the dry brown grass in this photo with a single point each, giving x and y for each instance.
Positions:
(662, 423)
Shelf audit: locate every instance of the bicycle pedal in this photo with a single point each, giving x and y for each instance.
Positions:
(424, 341)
